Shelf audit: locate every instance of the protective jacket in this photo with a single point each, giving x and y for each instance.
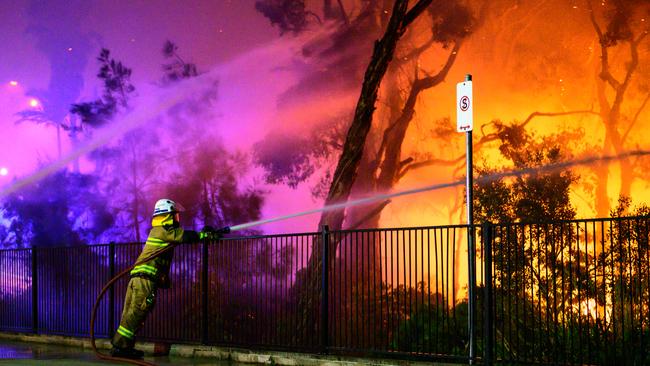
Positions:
(164, 232)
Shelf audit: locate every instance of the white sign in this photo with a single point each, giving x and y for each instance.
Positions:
(464, 107)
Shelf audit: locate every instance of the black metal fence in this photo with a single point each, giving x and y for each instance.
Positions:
(574, 292)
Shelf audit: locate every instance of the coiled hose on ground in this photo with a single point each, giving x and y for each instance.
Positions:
(108, 285)
(219, 233)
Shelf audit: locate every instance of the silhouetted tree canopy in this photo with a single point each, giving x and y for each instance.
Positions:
(176, 69)
(117, 91)
(63, 209)
(540, 196)
(451, 21)
(288, 15)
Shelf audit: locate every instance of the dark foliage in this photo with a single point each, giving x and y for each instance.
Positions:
(207, 185)
(310, 152)
(280, 167)
(451, 21)
(117, 91)
(177, 68)
(540, 196)
(95, 113)
(63, 209)
(618, 26)
(288, 15)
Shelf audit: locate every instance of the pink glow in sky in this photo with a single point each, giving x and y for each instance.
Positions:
(207, 33)
(24, 145)
(228, 40)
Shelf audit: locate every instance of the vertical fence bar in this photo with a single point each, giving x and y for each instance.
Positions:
(111, 291)
(34, 292)
(487, 317)
(204, 292)
(324, 315)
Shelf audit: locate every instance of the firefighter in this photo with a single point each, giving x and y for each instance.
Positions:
(147, 277)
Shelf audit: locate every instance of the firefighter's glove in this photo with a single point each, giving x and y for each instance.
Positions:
(208, 235)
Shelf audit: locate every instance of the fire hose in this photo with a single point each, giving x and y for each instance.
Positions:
(110, 283)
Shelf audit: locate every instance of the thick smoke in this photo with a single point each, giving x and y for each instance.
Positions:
(191, 140)
(56, 28)
(279, 113)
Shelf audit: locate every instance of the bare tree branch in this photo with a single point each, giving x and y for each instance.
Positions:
(555, 114)
(417, 51)
(415, 12)
(634, 62)
(431, 81)
(482, 141)
(315, 16)
(605, 74)
(405, 162)
(388, 154)
(447, 162)
(429, 162)
(344, 14)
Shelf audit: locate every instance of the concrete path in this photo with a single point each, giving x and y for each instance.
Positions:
(16, 353)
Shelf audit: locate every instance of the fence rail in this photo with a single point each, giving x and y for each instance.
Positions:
(575, 292)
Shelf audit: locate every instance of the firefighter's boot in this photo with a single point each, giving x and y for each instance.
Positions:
(131, 353)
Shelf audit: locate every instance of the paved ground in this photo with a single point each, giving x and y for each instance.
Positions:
(14, 353)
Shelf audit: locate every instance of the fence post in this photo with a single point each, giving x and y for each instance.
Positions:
(34, 291)
(204, 292)
(111, 290)
(471, 295)
(488, 321)
(324, 316)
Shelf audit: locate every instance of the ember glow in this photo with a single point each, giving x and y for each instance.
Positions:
(535, 65)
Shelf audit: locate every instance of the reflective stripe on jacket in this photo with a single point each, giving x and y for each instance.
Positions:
(158, 268)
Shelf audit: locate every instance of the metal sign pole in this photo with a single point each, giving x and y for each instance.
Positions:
(471, 252)
(465, 123)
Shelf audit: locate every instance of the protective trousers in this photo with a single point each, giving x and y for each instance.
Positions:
(139, 301)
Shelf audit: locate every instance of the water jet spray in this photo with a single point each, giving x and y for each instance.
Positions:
(168, 101)
(486, 179)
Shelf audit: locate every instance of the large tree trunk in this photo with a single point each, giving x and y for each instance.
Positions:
(613, 142)
(347, 168)
(602, 168)
(362, 260)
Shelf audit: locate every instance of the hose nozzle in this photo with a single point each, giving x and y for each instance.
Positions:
(223, 230)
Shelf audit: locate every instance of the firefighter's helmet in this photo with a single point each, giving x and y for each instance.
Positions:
(165, 206)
